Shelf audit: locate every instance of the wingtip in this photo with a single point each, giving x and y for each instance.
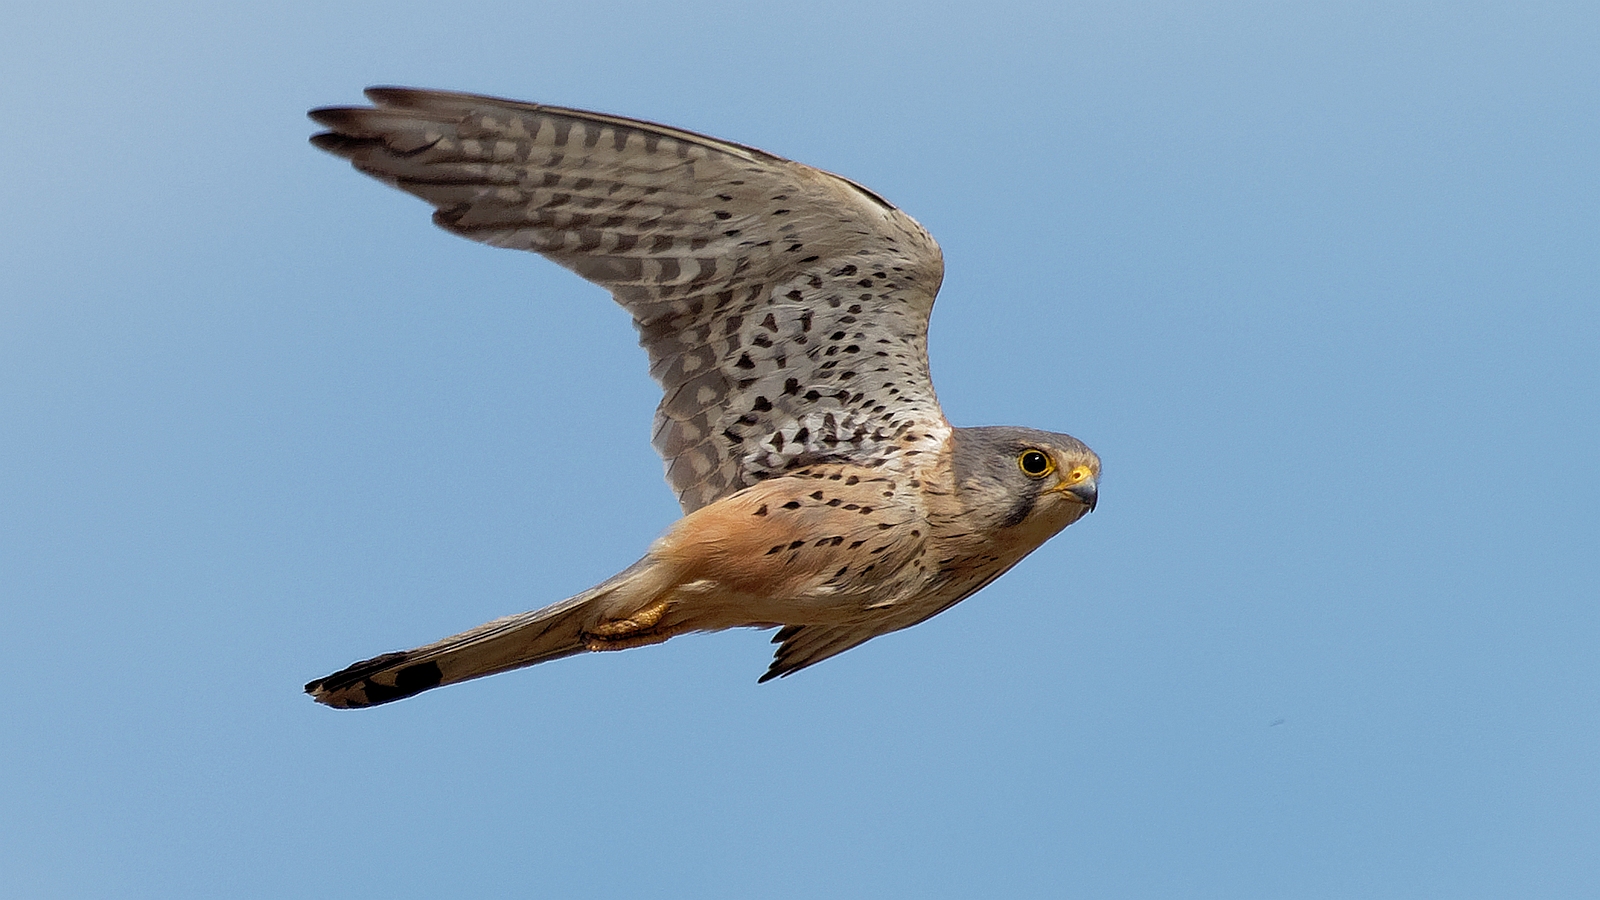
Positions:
(382, 96)
(774, 672)
(328, 115)
(330, 141)
(394, 94)
(437, 102)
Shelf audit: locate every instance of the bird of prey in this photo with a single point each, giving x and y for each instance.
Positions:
(785, 313)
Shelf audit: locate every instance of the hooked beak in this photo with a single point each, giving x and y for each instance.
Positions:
(1085, 491)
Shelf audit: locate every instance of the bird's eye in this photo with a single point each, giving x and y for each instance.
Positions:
(1035, 463)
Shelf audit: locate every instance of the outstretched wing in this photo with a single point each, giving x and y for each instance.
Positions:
(784, 309)
(803, 646)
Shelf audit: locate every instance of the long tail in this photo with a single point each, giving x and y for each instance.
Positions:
(513, 642)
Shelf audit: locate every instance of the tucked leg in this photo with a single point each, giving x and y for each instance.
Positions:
(637, 630)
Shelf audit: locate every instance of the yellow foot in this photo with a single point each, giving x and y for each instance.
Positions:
(637, 630)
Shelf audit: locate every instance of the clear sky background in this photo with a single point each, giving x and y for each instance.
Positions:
(1320, 281)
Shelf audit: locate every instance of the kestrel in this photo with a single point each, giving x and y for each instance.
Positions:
(785, 314)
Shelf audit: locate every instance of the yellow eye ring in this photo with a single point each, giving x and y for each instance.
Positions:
(1035, 463)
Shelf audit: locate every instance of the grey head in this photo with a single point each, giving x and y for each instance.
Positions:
(1022, 485)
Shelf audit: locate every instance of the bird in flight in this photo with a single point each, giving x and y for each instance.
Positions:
(785, 314)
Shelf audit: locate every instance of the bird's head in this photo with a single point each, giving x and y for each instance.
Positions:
(1021, 480)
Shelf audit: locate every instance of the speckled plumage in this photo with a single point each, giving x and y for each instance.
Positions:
(784, 311)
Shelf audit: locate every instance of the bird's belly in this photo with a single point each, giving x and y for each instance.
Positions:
(707, 605)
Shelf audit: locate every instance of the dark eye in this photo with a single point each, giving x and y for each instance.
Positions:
(1035, 464)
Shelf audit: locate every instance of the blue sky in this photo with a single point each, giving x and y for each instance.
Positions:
(1318, 281)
